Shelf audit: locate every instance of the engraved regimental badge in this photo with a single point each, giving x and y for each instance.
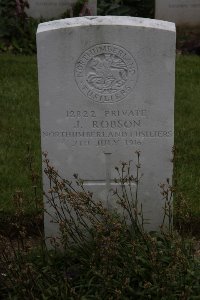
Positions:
(106, 73)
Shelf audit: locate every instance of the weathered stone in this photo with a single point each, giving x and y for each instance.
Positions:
(107, 90)
(182, 12)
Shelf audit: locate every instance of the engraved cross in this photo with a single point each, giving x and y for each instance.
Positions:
(107, 182)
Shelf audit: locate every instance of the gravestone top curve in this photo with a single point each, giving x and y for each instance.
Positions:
(106, 20)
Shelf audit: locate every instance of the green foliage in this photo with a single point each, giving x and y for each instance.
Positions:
(113, 258)
(150, 267)
(135, 8)
(17, 31)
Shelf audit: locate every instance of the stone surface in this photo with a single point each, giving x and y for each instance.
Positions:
(179, 11)
(106, 89)
(55, 8)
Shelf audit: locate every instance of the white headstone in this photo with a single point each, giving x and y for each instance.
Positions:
(106, 89)
(179, 11)
(48, 9)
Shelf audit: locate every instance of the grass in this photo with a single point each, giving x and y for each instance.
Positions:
(20, 126)
(187, 128)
